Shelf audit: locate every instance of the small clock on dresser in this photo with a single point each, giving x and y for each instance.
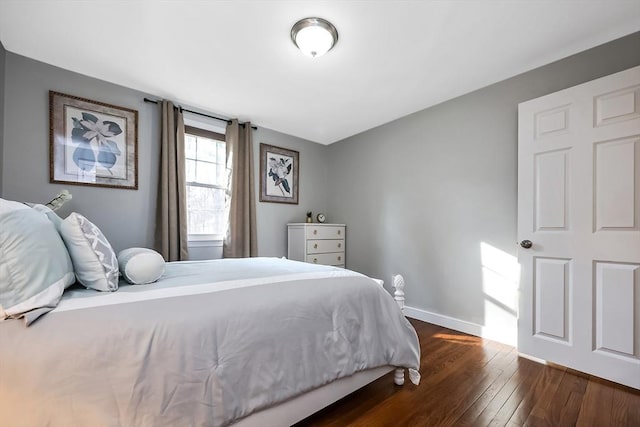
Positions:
(321, 218)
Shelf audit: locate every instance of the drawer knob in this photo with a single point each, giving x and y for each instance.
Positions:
(315, 231)
(315, 260)
(339, 232)
(339, 245)
(315, 246)
(339, 257)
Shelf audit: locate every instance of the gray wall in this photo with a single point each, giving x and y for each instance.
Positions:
(312, 196)
(419, 195)
(3, 54)
(272, 218)
(125, 216)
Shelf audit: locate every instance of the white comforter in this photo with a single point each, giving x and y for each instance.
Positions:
(210, 343)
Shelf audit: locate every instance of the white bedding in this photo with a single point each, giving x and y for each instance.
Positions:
(210, 343)
(198, 277)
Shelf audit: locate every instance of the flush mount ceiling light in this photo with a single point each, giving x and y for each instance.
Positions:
(314, 36)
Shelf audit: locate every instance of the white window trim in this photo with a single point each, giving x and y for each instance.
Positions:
(203, 185)
(205, 241)
(202, 122)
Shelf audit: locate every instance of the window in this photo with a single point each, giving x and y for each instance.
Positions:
(206, 184)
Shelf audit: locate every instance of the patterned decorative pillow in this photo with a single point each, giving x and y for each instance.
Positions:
(94, 261)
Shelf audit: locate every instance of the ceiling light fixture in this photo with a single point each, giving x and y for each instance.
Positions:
(314, 36)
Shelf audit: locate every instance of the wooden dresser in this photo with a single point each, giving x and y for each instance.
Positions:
(317, 243)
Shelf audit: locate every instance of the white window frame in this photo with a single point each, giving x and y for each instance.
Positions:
(202, 128)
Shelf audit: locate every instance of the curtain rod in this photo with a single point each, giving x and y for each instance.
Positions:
(153, 101)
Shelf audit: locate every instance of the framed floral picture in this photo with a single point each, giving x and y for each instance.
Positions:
(278, 174)
(92, 143)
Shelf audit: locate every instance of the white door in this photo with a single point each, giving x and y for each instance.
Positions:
(579, 206)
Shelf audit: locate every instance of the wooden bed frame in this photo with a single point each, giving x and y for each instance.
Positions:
(300, 407)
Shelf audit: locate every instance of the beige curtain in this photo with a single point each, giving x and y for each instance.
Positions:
(171, 215)
(241, 239)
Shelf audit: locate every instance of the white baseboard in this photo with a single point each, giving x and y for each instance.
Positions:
(460, 325)
(533, 358)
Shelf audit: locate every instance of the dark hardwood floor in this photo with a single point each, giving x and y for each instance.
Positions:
(468, 381)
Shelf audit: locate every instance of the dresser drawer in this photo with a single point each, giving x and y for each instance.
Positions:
(324, 246)
(336, 258)
(317, 243)
(325, 232)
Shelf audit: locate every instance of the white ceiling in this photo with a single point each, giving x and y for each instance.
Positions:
(236, 59)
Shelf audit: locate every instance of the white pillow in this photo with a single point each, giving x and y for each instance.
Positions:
(35, 267)
(93, 258)
(53, 217)
(139, 266)
(10, 205)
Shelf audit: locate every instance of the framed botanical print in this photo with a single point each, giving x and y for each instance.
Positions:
(279, 169)
(92, 143)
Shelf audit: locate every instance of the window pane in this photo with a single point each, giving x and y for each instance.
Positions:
(205, 164)
(207, 149)
(190, 166)
(190, 146)
(205, 208)
(221, 179)
(221, 153)
(206, 173)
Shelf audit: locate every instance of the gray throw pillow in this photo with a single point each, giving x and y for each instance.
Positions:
(35, 267)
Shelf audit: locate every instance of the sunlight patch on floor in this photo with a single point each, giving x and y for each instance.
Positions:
(460, 339)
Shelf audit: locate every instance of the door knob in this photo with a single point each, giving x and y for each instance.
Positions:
(526, 244)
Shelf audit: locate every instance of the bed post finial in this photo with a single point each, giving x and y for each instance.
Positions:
(398, 376)
(398, 284)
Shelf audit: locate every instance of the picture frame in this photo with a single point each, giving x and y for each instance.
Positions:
(279, 170)
(92, 143)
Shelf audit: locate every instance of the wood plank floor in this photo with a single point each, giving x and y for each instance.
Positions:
(468, 381)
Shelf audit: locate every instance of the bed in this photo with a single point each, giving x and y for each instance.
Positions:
(261, 341)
